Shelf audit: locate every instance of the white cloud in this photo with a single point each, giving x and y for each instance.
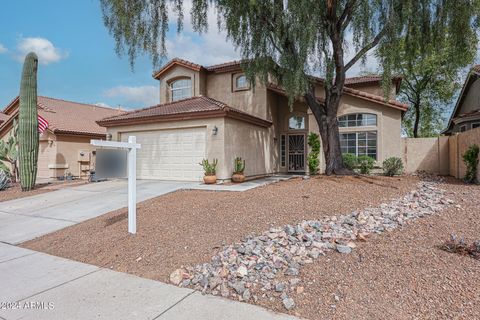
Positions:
(103, 104)
(142, 95)
(209, 48)
(2, 48)
(45, 50)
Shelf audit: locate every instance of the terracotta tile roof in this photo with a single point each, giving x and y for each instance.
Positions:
(368, 79)
(225, 67)
(69, 117)
(357, 93)
(3, 117)
(476, 68)
(200, 106)
(185, 63)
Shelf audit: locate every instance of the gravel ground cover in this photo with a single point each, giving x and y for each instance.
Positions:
(401, 274)
(189, 227)
(15, 190)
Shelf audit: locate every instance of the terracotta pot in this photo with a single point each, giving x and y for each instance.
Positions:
(210, 179)
(238, 177)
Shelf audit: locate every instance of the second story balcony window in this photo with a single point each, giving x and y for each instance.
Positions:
(181, 89)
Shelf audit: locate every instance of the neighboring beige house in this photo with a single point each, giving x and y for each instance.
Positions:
(466, 114)
(213, 112)
(65, 145)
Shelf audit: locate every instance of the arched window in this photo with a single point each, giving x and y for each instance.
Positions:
(181, 89)
(357, 120)
(296, 122)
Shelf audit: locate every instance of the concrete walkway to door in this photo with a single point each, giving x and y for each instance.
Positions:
(27, 218)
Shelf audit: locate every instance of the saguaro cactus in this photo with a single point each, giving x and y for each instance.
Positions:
(28, 123)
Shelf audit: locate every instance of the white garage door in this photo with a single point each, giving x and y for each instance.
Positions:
(170, 154)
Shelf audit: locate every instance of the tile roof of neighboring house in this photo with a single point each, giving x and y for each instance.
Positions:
(225, 67)
(360, 94)
(468, 114)
(195, 107)
(68, 117)
(3, 117)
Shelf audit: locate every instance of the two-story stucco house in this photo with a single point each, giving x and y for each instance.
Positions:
(213, 112)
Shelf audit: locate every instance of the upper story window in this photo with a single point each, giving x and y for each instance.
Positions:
(296, 123)
(240, 82)
(357, 120)
(181, 89)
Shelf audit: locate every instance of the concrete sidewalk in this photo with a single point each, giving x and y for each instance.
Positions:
(27, 218)
(41, 286)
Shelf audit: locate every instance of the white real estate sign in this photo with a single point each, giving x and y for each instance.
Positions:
(132, 147)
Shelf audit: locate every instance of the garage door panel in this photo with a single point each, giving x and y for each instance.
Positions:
(170, 154)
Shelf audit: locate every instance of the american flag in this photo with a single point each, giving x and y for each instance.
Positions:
(42, 124)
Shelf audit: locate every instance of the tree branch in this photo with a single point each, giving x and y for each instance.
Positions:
(346, 15)
(367, 47)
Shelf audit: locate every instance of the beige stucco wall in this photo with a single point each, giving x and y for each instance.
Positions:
(68, 149)
(459, 143)
(252, 143)
(253, 101)
(426, 154)
(177, 72)
(374, 88)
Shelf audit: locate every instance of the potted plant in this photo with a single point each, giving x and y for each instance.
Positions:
(238, 168)
(210, 171)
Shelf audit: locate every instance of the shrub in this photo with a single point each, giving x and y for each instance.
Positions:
(392, 166)
(209, 168)
(312, 159)
(470, 158)
(350, 161)
(365, 163)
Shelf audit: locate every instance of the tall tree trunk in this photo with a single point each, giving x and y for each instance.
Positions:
(326, 115)
(416, 123)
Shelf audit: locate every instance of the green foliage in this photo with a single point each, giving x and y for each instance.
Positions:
(209, 168)
(350, 161)
(365, 164)
(238, 165)
(312, 159)
(9, 153)
(392, 166)
(4, 180)
(470, 158)
(28, 123)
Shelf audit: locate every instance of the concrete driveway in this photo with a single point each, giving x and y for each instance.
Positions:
(27, 218)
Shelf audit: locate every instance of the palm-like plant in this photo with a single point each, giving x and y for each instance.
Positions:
(9, 153)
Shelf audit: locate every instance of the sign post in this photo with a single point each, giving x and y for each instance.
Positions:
(132, 147)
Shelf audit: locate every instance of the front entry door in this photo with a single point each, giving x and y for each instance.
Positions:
(296, 153)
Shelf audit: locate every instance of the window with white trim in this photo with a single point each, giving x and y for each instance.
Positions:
(181, 89)
(296, 123)
(283, 150)
(241, 82)
(359, 143)
(475, 125)
(357, 120)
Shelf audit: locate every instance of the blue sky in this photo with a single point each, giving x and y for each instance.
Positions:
(77, 57)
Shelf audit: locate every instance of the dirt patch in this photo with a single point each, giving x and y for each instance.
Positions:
(400, 275)
(15, 190)
(187, 227)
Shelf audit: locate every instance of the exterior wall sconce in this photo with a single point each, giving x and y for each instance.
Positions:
(214, 130)
(109, 137)
(50, 142)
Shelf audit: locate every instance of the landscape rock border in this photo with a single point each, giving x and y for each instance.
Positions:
(267, 266)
